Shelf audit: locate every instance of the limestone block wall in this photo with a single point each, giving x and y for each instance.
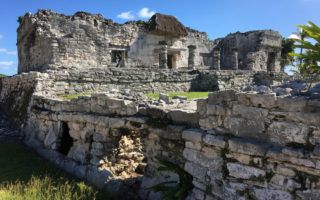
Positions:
(256, 50)
(156, 80)
(255, 146)
(16, 93)
(48, 40)
(112, 146)
(236, 145)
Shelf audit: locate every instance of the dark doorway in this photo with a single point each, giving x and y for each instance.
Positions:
(169, 60)
(66, 140)
(271, 63)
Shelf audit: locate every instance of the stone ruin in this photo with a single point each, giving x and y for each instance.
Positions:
(256, 136)
(48, 40)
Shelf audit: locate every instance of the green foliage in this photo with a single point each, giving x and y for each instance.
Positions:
(287, 48)
(189, 95)
(172, 190)
(25, 176)
(2, 75)
(75, 95)
(309, 59)
(46, 188)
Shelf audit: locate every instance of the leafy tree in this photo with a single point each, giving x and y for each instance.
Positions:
(287, 48)
(309, 45)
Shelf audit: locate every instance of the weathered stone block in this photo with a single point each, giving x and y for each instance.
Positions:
(184, 117)
(276, 153)
(249, 147)
(202, 106)
(284, 132)
(291, 104)
(309, 194)
(244, 127)
(283, 183)
(116, 123)
(244, 172)
(201, 159)
(268, 194)
(195, 170)
(210, 122)
(79, 152)
(216, 110)
(214, 140)
(221, 96)
(250, 112)
(303, 117)
(263, 100)
(193, 145)
(193, 135)
(242, 158)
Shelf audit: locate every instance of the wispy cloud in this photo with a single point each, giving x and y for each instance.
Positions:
(3, 50)
(126, 15)
(6, 64)
(146, 13)
(1, 36)
(143, 13)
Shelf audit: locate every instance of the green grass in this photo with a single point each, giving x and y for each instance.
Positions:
(189, 95)
(75, 95)
(25, 176)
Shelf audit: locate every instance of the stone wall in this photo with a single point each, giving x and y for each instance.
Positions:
(255, 146)
(254, 50)
(235, 145)
(113, 146)
(16, 91)
(48, 40)
(156, 80)
(15, 95)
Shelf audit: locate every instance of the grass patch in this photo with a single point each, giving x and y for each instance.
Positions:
(75, 95)
(25, 176)
(189, 95)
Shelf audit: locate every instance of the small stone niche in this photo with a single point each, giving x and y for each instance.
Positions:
(66, 140)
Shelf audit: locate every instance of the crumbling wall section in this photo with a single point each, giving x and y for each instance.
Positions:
(256, 50)
(16, 93)
(242, 146)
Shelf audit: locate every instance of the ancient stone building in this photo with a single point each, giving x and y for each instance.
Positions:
(253, 137)
(48, 40)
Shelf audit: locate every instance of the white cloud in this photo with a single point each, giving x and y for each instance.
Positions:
(146, 13)
(126, 15)
(1, 36)
(3, 50)
(14, 53)
(5, 64)
(294, 36)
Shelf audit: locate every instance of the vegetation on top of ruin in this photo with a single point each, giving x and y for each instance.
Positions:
(75, 95)
(189, 95)
(28, 177)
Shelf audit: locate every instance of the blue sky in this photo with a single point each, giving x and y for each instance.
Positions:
(216, 17)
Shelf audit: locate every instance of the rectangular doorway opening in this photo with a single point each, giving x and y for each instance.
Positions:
(66, 140)
(170, 61)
